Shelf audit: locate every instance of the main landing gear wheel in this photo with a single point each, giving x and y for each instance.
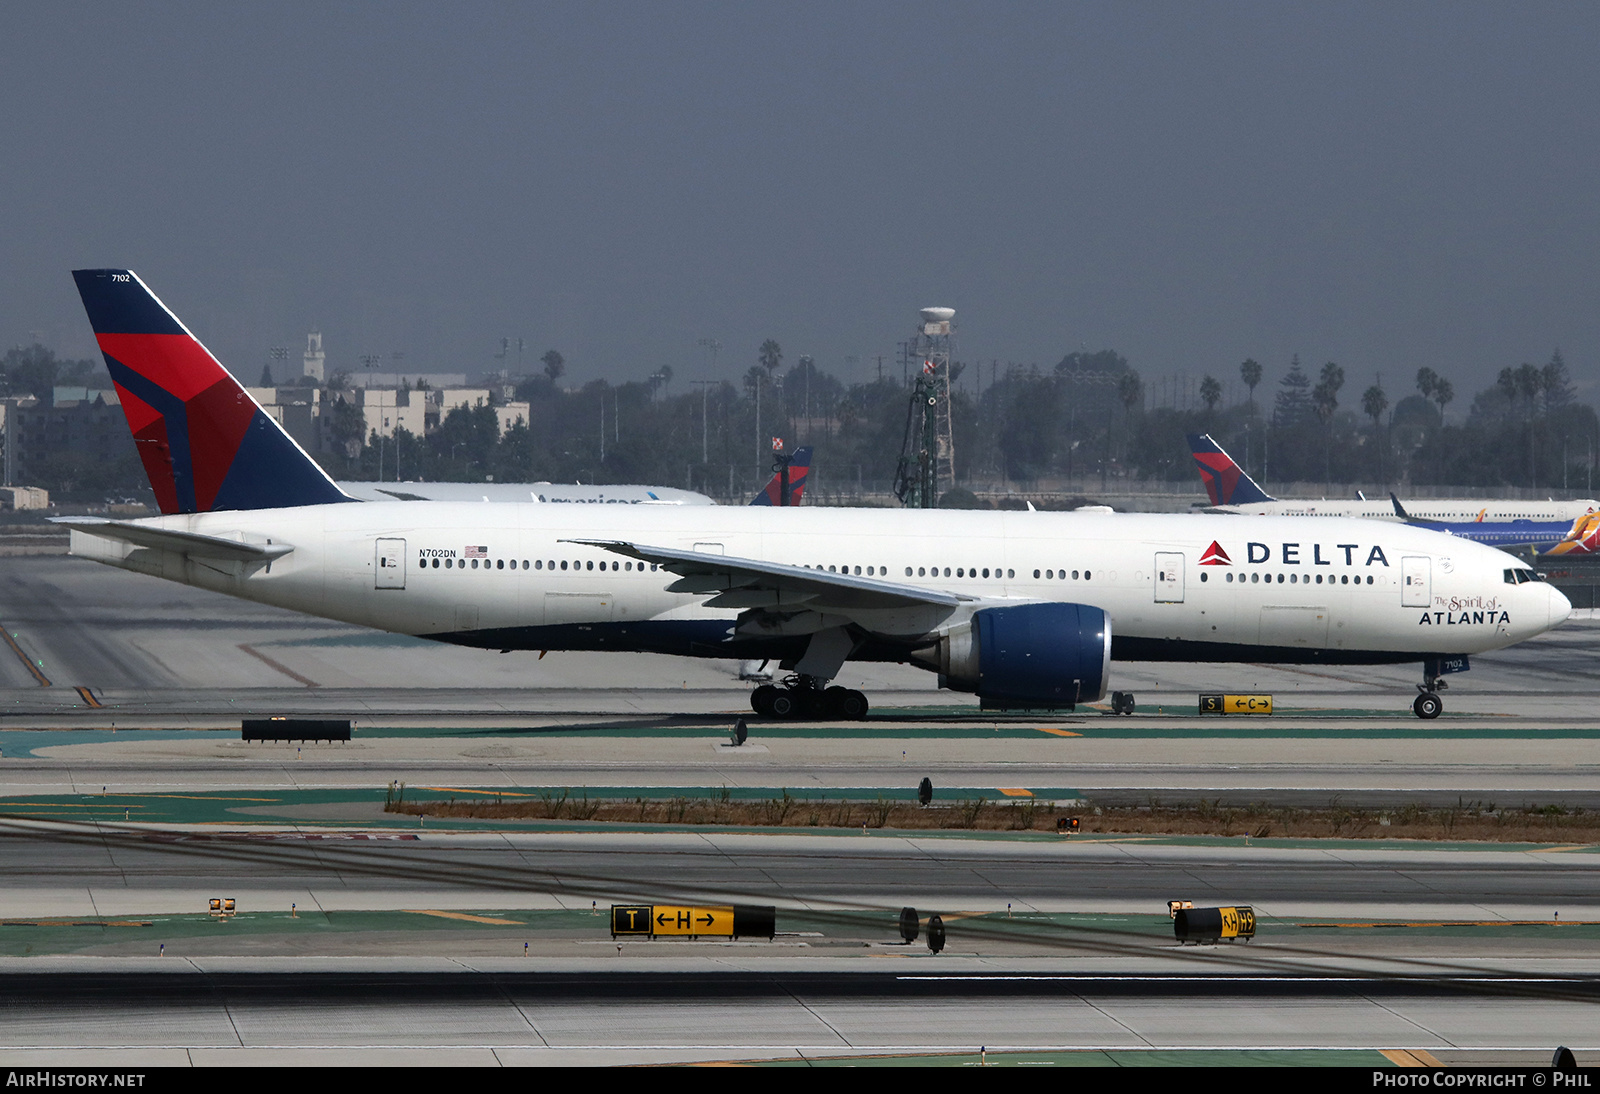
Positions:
(1428, 705)
(844, 704)
(761, 700)
(804, 697)
(1122, 702)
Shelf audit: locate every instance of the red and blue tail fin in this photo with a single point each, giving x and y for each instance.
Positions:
(1225, 480)
(205, 443)
(799, 467)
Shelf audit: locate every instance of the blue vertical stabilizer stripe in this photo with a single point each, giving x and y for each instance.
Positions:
(174, 415)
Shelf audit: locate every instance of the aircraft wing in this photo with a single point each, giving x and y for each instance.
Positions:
(166, 539)
(750, 583)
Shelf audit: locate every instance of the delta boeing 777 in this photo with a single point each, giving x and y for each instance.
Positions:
(1027, 610)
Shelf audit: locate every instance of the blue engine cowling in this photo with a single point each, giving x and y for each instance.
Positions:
(1033, 656)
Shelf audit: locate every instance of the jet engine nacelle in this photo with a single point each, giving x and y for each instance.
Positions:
(1028, 657)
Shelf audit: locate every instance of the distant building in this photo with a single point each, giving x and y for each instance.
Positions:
(23, 497)
(386, 411)
(62, 395)
(294, 408)
(509, 414)
(467, 397)
(93, 430)
(433, 380)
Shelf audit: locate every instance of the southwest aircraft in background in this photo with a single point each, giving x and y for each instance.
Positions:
(1578, 537)
(1027, 610)
(1233, 491)
(558, 493)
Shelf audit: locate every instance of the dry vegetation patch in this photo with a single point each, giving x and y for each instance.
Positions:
(1465, 821)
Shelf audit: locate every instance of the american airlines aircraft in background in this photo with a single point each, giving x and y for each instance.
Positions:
(1233, 491)
(558, 492)
(1026, 610)
(525, 492)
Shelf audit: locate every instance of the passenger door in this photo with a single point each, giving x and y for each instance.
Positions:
(389, 564)
(1416, 581)
(1169, 577)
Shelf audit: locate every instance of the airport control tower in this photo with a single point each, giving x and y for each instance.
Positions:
(928, 454)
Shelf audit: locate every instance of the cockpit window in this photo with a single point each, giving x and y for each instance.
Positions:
(1520, 575)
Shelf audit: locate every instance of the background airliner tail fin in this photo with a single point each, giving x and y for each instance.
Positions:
(799, 467)
(1225, 480)
(205, 443)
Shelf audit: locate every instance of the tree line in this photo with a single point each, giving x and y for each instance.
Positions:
(1089, 421)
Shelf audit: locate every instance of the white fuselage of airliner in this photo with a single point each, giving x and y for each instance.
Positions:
(1176, 587)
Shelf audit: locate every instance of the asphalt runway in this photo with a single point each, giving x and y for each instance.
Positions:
(265, 988)
(95, 647)
(218, 1016)
(56, 869)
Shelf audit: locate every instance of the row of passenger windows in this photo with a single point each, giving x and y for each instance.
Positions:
(960, 571)
(1293, 579)
(882, 571)
(536, 564)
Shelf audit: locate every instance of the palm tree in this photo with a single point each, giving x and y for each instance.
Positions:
(1210, 394)
(1443, 392)
(1250, 373)
(1374, 402)
(1325, 401)
(1130, 389)
(754, 381)
(770, 355)
(1427, 380)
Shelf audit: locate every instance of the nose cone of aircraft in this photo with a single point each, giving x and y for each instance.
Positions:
(1560, 606)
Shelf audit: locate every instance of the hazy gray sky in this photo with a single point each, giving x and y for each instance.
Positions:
(1385, 185)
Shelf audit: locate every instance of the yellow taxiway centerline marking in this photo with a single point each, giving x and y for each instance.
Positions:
(468, 918)
(43, 680)
(1015, 792)
(1466, 923)
(1057, 732)
(1411, 1057)
(464, 790)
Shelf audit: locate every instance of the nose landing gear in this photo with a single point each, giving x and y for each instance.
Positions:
(808, 697)
(1428, 705)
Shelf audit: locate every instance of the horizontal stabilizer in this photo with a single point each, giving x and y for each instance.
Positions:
(186, 543)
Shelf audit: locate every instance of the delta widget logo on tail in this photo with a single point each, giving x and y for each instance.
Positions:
(205, 443)
(1215, 556)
